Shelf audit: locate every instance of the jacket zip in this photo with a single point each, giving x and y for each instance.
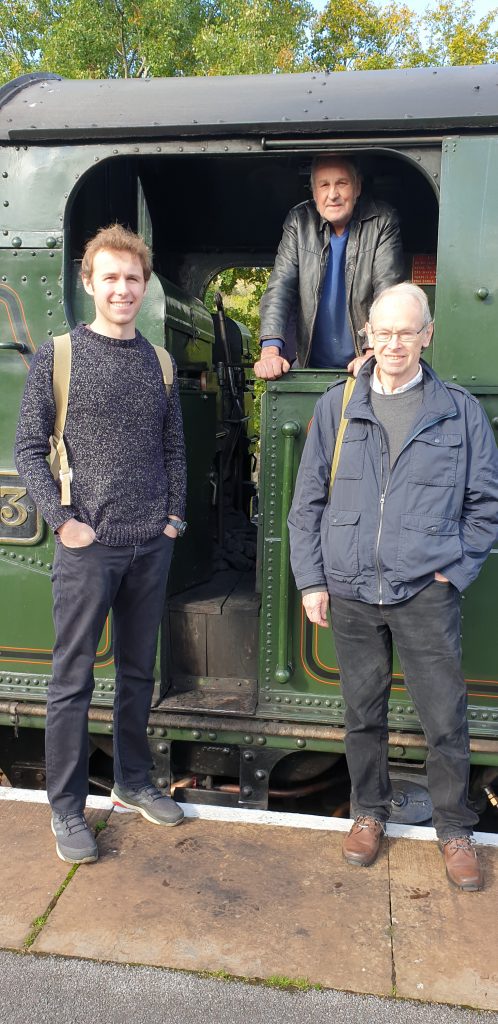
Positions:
(383, 491)
(319, 283)
(423, 427)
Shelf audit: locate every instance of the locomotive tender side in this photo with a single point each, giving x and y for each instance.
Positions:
(207, 169)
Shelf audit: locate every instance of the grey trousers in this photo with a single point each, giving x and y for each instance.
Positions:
(87, 583)
(426, 631)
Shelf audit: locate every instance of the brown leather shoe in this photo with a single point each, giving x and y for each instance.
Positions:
(462, 864)
(362, 842)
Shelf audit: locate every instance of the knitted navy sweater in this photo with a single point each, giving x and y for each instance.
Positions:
(124, 439)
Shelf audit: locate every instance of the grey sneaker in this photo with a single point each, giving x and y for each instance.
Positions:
(151, 804)
(74, 841)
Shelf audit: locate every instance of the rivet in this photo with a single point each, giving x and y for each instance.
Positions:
(6, 202)
(16, 242)
(196, 734)
(162, 747)
(300, 743)
(260, 774)
(150, 731)
(211, 735)
(162, 783)
(246, 791)
(260, 740)
(248, 755)
(247, 739)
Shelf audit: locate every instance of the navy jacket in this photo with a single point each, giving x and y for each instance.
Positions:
(382, 534)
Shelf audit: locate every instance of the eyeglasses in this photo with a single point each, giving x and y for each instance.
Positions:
(405, 337)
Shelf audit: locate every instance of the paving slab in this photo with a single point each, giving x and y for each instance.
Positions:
(211, 896)
(444, 941)
(31, 871)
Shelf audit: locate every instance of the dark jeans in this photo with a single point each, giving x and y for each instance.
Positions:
(87, 583)
(426, 631)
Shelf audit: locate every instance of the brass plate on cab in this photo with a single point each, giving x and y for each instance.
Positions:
(20, 521)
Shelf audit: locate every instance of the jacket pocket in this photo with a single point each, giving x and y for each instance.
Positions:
(352, 456)
(434, 459)
(426, 544)
(340, 542)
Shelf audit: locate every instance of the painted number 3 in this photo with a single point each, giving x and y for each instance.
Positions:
(13, 513)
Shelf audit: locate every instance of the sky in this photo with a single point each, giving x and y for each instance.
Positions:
(418, 6)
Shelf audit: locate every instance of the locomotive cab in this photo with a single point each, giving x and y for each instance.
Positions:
(207, 171)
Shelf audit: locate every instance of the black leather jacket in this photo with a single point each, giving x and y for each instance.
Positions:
(374, 260)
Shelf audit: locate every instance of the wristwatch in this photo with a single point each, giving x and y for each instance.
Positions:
(179, 525)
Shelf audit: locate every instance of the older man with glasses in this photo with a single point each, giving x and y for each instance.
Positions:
(406, 526)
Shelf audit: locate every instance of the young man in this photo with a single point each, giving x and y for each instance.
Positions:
(410, 519)
(114, 542)
(337, 253)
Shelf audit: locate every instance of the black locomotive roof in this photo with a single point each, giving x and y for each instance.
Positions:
(43, 107)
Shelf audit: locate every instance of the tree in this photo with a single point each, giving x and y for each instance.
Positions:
(359, 35)
(454, 37)
(253, 37)
(21, 34)
(122, 38)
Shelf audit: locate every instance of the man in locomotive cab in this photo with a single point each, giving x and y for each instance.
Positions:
(337, 253)
(389, 544)
(115, 536)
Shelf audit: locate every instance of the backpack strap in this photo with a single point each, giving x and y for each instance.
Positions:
(166, 366)
(348, 391)
(58, 459)
(61, 377)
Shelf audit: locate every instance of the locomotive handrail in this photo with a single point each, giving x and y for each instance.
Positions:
(19, 346)
(283, 672)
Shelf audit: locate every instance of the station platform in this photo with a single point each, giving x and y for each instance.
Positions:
(254, 895)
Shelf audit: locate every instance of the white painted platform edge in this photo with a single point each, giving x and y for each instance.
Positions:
(243, 815)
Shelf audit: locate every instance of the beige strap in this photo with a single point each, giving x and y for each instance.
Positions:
(61, 377)
(166, 366)
(348, 391)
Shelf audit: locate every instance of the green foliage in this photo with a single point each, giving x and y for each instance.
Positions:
(359, 35)
(454, 36)
(140, 38)
(253, 37)
(241, 289)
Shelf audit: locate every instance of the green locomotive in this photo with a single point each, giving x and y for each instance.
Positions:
(206, 170)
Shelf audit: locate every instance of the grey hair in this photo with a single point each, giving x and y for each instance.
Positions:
(325, 158)
(410, 290)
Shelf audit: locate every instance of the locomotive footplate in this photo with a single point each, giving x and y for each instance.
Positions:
(222, 696)
(211, 634)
